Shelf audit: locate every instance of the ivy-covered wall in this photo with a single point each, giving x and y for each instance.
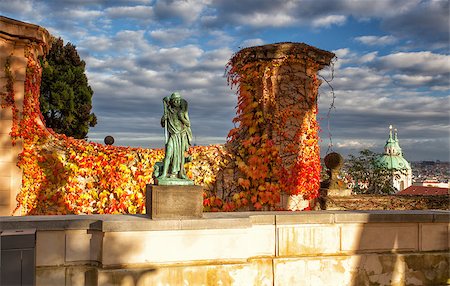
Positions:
(273, 149)
(18, 41)
(276, 139)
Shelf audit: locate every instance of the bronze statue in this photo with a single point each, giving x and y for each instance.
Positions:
(178, 135)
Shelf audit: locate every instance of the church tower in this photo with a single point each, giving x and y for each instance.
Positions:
(393, 160)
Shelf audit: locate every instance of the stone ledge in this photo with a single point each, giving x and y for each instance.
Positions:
(111, 223)
(171, 224)
(279, 50)
(50, 222)
(441, 216)
(306, 217)
(363, 216)
(382, 216)
(22, 30)
(118, 223)
(254, 217)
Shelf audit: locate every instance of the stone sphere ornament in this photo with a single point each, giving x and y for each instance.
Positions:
(333, 160)
(109, 140)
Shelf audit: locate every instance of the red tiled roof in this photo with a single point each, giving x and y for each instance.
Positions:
(424, 190)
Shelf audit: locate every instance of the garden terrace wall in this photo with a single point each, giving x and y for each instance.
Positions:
(247, 248)
(42, 172)
(49, 173)
(18, 40)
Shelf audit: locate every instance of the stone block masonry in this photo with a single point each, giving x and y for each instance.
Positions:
(16, 39)
(174, 202)
(275, 143)
(246, 248)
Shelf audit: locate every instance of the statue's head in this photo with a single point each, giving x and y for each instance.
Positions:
(175, 98)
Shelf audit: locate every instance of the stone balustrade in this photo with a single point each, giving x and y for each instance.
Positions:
(248, 248)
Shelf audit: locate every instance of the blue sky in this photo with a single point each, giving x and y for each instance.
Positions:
(392, 67)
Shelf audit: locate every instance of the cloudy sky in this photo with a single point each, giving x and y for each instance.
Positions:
(392, 67)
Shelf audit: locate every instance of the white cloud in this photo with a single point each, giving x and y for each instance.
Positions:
(268, 19)
(359, 78)
(440, 88)
(413, 80)
(416, 62)
(139, 12)
(368, 57)
(355, 71)
(18, 6)
(133, 64)
(427, 22)
(383, 8)
(97, 43)
(215, 60)
(84, 14)
(328, 21)
(220, 39)
(131, 40)
(377, 40)
(171, 36)
(208, 19)
(340, 53)
(185, 56)
(251, 43)
(188, 10)
(353, 144)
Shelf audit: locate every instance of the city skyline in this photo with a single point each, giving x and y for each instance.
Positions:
(392, 65)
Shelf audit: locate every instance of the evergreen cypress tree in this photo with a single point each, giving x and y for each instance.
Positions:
(66, 97)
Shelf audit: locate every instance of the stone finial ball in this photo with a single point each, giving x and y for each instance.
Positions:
(109, 140)
(333, 160)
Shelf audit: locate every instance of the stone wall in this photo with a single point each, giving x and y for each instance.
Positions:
(264, 248)
(286, 85)
(16, 40)
(275, 142)
(383, 202)
(281, 156)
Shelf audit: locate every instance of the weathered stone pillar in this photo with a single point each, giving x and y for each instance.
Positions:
(18, 40)
(277, 106)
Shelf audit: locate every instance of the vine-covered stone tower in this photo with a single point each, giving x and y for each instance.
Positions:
(276, 139)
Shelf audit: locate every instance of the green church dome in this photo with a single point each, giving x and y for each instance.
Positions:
(393, 163)
(392, 159)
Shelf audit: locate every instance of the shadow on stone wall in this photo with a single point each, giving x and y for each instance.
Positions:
(399, 266)
(117, 253)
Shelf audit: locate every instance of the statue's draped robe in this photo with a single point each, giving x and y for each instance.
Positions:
(179, 137)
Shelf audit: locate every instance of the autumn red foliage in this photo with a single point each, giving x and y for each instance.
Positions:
(63, 175)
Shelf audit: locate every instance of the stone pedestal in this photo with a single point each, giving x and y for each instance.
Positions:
(174, 202)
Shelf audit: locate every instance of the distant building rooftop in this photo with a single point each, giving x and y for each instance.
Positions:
(424, 190)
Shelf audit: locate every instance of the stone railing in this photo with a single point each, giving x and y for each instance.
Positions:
(252, 248)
